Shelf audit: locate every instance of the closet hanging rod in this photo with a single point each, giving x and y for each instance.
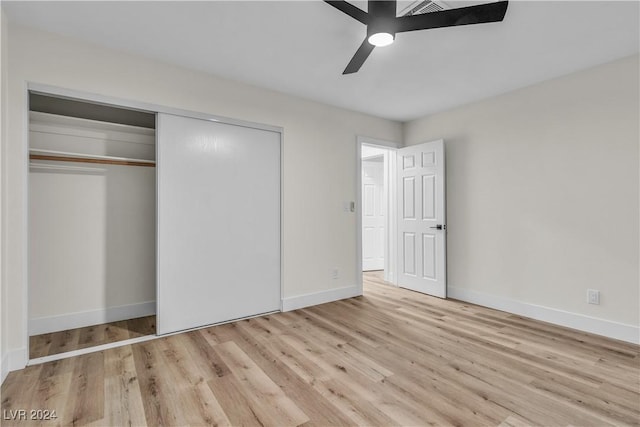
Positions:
(64, 156)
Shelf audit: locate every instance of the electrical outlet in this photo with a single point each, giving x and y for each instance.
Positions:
(593, 296)
(335, 274)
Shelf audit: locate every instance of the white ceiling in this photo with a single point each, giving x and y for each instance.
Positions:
(302, 47)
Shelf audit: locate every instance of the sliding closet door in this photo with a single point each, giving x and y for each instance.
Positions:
(218, 222)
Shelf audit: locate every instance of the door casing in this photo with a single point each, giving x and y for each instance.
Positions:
(391, 255)
(390, 250)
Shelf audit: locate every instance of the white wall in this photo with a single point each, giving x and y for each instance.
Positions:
(92, 227)
(542, 197)
(319, 153)
(4, 360)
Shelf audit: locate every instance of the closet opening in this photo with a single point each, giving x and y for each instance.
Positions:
(92, 224)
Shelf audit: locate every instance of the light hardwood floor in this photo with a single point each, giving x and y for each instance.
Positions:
(391, 357)
(90, 336)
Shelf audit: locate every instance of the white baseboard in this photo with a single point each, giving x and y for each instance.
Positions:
(594, 325)
(17, 359)
(315, 298)
(4, 367)
(43, 325)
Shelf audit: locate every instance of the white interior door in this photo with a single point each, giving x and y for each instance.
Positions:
(421, 219)
(218, 222)
(373, 214)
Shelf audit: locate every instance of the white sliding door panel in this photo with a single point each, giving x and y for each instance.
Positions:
(218, 222)
(421, 226)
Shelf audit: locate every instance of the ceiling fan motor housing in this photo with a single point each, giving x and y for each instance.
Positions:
(382, 18)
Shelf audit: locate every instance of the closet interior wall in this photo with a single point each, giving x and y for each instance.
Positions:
(92, 215)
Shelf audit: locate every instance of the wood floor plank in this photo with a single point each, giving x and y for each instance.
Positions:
(288, 355)
(304, 393)
(599, 406)
(202, 351)
(141, 326)
(351, 333)
(54, 381)
(390, 357)
(124, 407)
(89, 336)
(18, 391)
(156, 387)
(86, 404)
(195, 399)
(513, 421)
(269, 399)
(63, 341)
(357, 408)
(417, 381)
(39, 345)
(234, 402)
(116, 331)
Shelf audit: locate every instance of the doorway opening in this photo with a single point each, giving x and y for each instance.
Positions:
(402, 219)
(377, 162)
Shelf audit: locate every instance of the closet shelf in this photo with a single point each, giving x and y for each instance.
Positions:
(50, 166)
(65, 156)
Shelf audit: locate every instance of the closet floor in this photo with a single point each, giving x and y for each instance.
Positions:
(76, 339)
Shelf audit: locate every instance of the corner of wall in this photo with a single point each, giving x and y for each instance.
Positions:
(577, 321)
(4, 357)
(12, 361)
(322, 297)
(4, 367)
(17, 359)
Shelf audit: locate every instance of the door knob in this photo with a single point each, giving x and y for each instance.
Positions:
(439, 227)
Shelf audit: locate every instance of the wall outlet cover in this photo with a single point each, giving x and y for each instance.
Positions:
(593, 296)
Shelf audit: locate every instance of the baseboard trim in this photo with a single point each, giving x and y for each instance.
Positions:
(4, 367)
(17, 359)
(581, 322)
(44, 325)
(315, 298)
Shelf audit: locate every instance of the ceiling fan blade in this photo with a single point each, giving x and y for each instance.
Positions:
(351, 10)
(358, 59)
(483, 13)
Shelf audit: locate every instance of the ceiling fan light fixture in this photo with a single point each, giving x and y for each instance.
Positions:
(383, 24)
(381, 39)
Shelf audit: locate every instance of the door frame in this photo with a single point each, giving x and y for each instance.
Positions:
(390, 255)
(46, 89)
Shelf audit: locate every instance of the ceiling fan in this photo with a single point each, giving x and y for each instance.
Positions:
(383, 25)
